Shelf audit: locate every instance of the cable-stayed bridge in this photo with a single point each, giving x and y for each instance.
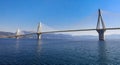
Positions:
(100, 28)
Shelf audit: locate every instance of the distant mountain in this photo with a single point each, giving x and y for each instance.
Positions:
(56, 36)
(44, 36)
(6, 33)
(85, 37)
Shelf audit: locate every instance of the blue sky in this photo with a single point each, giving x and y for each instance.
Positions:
(59, 14)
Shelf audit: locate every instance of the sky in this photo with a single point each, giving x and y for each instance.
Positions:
(57, 14)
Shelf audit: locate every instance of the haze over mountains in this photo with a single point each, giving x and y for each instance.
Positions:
(2, 33)
(59, 36)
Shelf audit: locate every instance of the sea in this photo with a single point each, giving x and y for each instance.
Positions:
(59, 52)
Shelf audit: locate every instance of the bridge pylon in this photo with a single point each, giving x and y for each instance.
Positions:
(100, 29)
(39, 30)
(17, 34)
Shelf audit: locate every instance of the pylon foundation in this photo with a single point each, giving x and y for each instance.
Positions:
(101, 34)
(39, 36)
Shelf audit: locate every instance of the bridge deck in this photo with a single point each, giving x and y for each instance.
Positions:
(58, 31)
(80, 30)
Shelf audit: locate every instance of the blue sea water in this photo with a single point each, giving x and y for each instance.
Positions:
(59, 52)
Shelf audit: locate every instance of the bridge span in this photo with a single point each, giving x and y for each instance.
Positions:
(77, 30)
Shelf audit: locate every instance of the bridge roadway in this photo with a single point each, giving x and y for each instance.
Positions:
(58, 31)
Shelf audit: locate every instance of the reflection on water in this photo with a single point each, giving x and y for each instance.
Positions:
(39, 47)
(17, 44)
(102, 53)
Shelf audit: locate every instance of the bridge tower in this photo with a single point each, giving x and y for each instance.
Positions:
(17, 34)
(39, 30)
(100, 29)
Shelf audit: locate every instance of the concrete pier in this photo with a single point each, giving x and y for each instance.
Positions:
(17, 34)
(101, 34)
(38, 36)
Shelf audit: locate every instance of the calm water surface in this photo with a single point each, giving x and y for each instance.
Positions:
(59, 52)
